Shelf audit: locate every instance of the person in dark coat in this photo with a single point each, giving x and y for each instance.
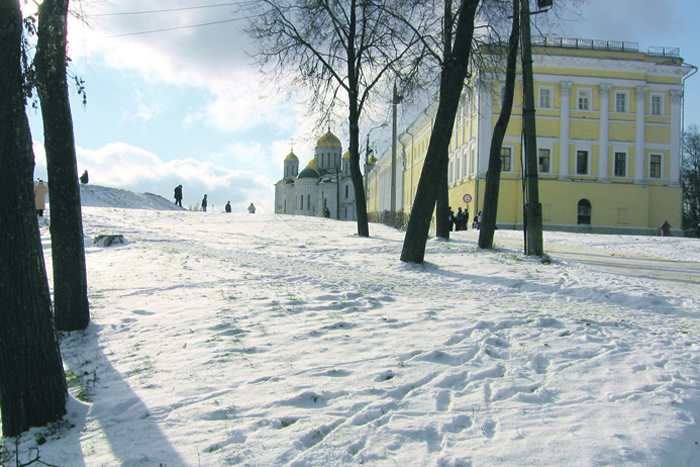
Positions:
(204, 203)
(459, 219)
(465, 221)
(227, 208)
(327, 213)
(178, 195)
(452, 219)
(84, 178)
(665, 229)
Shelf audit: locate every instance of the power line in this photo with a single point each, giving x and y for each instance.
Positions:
(249, 2)
(181, 27)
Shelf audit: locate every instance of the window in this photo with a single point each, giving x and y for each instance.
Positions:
(657, 104)
(584, 99)
(620, 169)
(308, 201)
(584, 212)
(546, 97)
(302, 202)
(655, 166)
(621, 98)
(505, 159)
(347, 191)
(582, 162)
(544, 161)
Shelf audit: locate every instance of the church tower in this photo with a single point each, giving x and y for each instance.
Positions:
(291, 166)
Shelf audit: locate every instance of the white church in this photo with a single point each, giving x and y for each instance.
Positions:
(325, 183)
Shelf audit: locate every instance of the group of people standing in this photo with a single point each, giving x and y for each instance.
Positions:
(205, 202)
(460, 221)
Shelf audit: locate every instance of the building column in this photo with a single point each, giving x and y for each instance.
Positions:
(674, 177)
(603, 132)
(639, 147)
(564, 106)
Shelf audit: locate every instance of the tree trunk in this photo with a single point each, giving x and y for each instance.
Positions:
(354, 121)
(451, 83)
(442, 206)
(67, 244)
(32, 382)
(493, 176)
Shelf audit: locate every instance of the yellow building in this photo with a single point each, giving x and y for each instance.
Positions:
(608, 139)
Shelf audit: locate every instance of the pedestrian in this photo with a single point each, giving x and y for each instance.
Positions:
(84, 178)
(327, 213)
(665, 229)
(40, 192)
(459, 219)
(227, 208)
(204, 203)
(465, 221)
(251, 208)
(478, 221)
(178, 195)
(452, 219)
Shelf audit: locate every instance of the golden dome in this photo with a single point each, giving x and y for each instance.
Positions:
(346, 155)
(328, 140)
(312, 163)
(291, 157)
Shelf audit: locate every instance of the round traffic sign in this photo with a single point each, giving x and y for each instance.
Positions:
(467, 198)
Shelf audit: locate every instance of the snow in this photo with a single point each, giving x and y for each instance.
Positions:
(276, 340)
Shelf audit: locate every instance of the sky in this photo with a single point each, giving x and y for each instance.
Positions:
(273, 340)
(173, 97)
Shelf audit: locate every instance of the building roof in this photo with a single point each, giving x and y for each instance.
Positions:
(291, 157)
(346, 155)
(309, 172)
(328, 140)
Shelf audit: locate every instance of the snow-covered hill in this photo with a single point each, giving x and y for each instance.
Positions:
(102, 196)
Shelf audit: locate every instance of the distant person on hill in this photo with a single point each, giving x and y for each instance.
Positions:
(178, 195)
(227, 208)
(204, 203)
(665, 229)
(40, 192)
(251, 208)
(84, 178)
(327, 213)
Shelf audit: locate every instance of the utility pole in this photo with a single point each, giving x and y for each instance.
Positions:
(533, 207)
(396, 100)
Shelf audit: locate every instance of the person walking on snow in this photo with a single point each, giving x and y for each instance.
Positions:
(227, 208)
(40, 192)
(178, 195)
(204, 203)
(84, 178)
(251, 208)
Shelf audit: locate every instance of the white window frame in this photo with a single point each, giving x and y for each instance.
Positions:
(512, 157)
(588, 94)
(662, 103)
(549, 148)
(626, 96)
(661, 166)
(540, 90)
(624, 151)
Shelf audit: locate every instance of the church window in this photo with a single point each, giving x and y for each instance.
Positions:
(302, 202)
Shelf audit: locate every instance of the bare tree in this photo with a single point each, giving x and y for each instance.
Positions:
(67, 243)
(493, 175)
(32, 381)
(691, 179)
(342, 52)
(454, 71)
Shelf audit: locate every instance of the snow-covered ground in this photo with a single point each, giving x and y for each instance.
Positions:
(274, 340)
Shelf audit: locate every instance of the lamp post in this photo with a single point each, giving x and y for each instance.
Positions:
(367, 154)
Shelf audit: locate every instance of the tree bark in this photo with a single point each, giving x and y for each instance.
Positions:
(67, 243)
(451, 83)
(32, 381)
(493, 176)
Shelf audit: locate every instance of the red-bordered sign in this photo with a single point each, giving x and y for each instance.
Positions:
(467, 198)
